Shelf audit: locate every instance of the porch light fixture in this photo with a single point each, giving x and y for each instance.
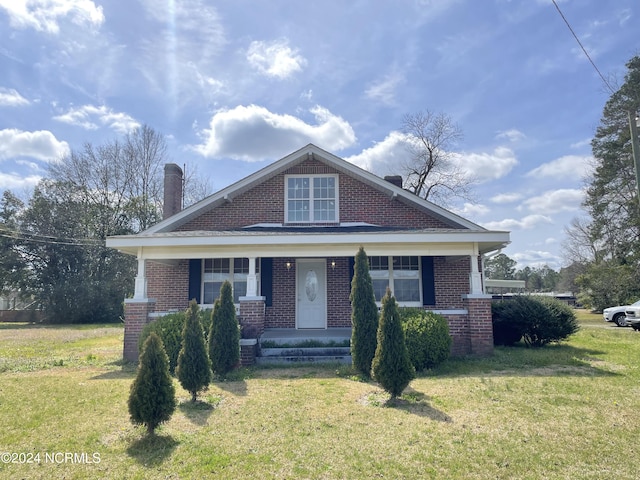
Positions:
(288, 265)
(333, 264)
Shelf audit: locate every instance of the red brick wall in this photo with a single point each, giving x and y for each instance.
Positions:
(480, 325)
(338, 291)
(136, 315)
(451, 281)
(358, 203)
(168, 285)
(282, 314)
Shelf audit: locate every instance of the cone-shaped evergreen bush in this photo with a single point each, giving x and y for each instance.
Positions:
(152, 399)
(391, 366)
(364, 315)
(194, 365)
(224, 338)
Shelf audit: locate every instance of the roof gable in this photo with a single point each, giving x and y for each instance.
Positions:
(308, 152)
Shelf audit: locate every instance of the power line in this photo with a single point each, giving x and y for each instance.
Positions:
(582, 47)
(32, 237)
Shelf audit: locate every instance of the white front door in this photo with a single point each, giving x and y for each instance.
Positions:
(311, 292)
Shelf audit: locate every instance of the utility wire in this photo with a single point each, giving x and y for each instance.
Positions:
(582, 47)
(32, 237)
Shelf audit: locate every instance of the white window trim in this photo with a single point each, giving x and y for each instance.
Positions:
(311, 177)
(391, 280)
(232, 278)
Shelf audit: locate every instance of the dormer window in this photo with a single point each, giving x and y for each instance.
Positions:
(311, 199)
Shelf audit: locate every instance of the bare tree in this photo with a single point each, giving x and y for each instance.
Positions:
(196, 185)
(146, 153)
(431, 171)
(580, 246)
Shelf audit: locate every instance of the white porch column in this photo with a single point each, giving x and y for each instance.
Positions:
(252, 279)
(475, 278)
(140, 291)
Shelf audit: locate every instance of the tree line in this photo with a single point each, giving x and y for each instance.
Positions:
(537, 279)
(53, 243)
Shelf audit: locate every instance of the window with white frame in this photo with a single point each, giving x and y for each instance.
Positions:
(400, 274)
(311, 199)
(216, 270)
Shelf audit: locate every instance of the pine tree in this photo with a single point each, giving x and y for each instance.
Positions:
(391, 366)
(152, 399)
(364, 315)
(194, 365)
(224, 337)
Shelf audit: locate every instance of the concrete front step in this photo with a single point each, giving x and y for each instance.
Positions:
(305, 351)
(283, 360)
(288, 352)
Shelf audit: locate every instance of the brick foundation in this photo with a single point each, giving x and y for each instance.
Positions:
(248, 352)
(252, 316)
(480, 324)
(136, 316)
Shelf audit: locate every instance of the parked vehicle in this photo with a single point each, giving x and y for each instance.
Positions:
(633, 316)
(618, 314)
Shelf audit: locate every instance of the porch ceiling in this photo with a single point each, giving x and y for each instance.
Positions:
(205, 244)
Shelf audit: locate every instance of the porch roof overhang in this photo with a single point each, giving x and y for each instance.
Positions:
(308, 243)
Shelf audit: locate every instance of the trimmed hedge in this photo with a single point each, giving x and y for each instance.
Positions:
(169, 329)
(536, 320)
(426, 336)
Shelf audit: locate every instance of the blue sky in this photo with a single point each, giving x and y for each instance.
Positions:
(236, 84)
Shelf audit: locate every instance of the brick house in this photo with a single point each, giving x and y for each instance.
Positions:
(285, 237)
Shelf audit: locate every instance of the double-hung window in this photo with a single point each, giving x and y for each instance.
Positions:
(311, 199)
(400, 274)
(217, 270)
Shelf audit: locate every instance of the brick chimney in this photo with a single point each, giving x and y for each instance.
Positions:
(394, 179)
(172, 190)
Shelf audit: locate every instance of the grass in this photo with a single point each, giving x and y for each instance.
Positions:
(564, 411)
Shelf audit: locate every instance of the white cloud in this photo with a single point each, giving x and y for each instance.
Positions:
(537, 259)
(9, 97)
(41, 145)
(556, 201)
(472, 210)
(91, 117)
(385, 157)
(506, 198)
(487, 166)
(45, 15)
(275, 59)
(582, 143)
(384, 90)
(512, 135)
(253, 133)
(12, 181)
(568, 166)
(179, 56)
(526, 223)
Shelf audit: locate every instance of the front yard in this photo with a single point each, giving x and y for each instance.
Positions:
(564, 411)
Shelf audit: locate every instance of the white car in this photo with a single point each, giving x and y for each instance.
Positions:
(618, 314)
(633, 316)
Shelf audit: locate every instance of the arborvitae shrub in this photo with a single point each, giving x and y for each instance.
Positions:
(364, 315)
(224, 337)
(426, 336)
(537, 320)
(194, 365)
(169, 329)
(391, 366)
(152, 398)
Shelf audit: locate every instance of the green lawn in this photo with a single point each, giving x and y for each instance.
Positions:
(565, 411)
